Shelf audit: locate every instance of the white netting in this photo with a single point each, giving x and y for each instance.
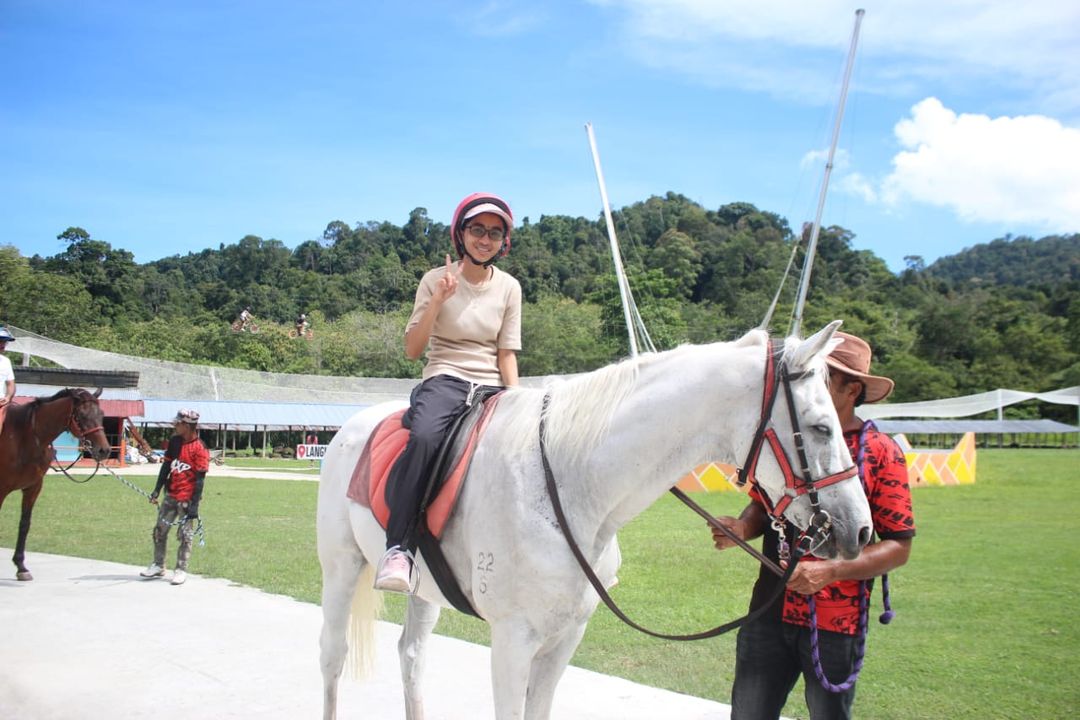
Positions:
(967, 405)
(169, 380)
(165, 379)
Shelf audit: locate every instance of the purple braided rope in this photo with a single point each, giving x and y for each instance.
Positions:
(860, 644)
(887, 616)
(864, 599)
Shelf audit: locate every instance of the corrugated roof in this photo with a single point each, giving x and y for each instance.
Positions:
(115, 402)
(33, 390)
(240, 415)
(235, 414)
(959, 427)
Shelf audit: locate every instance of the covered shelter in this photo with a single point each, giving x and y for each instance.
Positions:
(266, 425)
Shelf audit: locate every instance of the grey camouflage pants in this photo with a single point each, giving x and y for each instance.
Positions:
(170, 510)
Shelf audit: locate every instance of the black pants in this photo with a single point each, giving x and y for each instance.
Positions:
(769, 658)
(433, 406)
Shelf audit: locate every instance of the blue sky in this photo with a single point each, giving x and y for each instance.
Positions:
(168, 127)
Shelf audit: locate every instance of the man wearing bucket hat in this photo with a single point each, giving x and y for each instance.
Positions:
(182, 473)
(7, 374)
(825, 600)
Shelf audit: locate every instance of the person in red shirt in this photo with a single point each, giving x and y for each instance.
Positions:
(183, 471)
(773, 650)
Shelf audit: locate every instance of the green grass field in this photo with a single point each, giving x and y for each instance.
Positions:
(284, 464)
(985, 608)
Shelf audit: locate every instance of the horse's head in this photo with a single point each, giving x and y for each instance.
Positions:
(87, 422)
(801, 482)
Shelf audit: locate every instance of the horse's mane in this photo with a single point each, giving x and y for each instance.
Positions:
(59, 395)
(25, 412)
(580, 409)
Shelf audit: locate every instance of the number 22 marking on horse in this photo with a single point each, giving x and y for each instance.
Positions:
(485, 565)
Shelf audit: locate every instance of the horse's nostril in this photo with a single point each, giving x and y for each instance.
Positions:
(864, 535)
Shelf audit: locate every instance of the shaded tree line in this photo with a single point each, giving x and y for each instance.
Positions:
(1001, 314)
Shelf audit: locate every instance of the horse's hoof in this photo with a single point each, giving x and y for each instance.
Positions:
(24, 575)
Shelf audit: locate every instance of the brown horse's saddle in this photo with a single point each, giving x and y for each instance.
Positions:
(368, 483)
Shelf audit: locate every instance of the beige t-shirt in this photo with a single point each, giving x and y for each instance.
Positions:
(476, 322)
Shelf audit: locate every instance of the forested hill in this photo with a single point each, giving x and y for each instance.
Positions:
(1023, 262)
(986, 318)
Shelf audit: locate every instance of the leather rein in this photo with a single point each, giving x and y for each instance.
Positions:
(820, 523)
(80, 434)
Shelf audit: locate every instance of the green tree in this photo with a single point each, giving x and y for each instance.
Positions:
(562, 336)
(679, 260)
(108, 274)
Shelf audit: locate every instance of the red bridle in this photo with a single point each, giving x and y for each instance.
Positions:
(795, 485)
(79, 432)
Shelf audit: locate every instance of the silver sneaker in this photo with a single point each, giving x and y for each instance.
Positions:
(154, 571)
(178, 577)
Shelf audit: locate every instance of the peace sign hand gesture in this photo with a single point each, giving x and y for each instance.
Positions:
(446, 286)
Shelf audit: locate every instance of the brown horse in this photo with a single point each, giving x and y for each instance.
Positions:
(26, 449)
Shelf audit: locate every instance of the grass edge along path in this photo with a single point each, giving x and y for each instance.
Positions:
(984, 625)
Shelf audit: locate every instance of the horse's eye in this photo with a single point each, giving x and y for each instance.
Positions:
(822, 430)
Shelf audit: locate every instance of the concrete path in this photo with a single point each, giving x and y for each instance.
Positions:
(88, 640)
(147, 471)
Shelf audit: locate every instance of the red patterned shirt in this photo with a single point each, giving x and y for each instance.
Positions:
(885, 478)
(185, 459)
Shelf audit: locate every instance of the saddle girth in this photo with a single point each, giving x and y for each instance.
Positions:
(368, 482)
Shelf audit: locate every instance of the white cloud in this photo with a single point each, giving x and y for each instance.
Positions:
(858, 185)
(843, 178)
(787, 47)
(1023, 169)
(502, 18)
(816, 158)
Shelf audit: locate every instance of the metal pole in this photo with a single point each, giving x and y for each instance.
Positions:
(620, 275)
(811, 248)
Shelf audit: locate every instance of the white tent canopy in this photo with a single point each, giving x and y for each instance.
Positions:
(968, 405)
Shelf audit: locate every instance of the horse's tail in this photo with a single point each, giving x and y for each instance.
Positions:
(366, 607)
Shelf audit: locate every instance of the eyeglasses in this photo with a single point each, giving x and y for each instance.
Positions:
(479, 231)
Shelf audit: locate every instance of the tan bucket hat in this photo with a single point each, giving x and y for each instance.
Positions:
(852, 357)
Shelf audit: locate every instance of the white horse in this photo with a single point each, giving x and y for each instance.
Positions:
(617, 439)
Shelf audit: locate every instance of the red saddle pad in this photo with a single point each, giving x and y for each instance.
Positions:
(368, 483)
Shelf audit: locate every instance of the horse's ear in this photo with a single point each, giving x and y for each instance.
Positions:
(820, 343)
(97, 393)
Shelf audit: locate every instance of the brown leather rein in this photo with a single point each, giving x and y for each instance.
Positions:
(820, 523)
(79, 433)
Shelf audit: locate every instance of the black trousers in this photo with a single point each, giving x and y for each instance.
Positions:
(770, 655)
(432, 408)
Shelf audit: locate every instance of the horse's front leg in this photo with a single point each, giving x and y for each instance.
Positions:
(547, 669)
(29, 497)
(513, 646)
(420, 619)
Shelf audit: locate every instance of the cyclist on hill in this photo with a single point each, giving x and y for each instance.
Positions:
(244, 323)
